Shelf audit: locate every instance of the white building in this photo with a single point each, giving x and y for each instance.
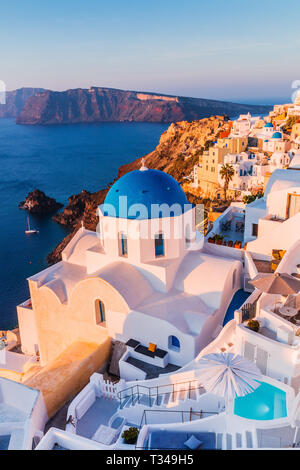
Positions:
(249, 170)
(23, 415)
(278, 161)
(243, 125)
(276, 143)
(272, 222)
(144, 278)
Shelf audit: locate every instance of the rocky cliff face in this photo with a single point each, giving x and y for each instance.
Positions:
(180, 146)
(15, 101)
(176, 153)
(106, 104)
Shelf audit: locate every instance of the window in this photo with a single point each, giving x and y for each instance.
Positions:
(174, 343)
(159, 245)
(254, 230)
(123, 245)
(100, 311)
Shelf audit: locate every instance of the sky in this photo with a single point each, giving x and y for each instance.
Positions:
(234, 50)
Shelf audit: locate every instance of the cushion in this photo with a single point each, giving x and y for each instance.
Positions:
(152, 347)
(193, 443)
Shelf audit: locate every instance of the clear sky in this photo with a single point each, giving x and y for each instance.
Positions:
(242, 50)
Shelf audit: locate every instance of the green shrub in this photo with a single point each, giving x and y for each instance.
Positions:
(253, 325)
(130, 435)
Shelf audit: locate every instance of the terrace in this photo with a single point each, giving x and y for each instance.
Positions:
(228, 229)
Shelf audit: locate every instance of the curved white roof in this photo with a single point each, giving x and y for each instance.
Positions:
(127, 280)
(75, 251)
(282, 179)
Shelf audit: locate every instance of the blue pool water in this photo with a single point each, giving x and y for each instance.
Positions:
(61, 161)
(237, 301)
(266, 402)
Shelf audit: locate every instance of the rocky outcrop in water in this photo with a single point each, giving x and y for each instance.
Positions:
(107, 105)
(38, 203)
(82, 207)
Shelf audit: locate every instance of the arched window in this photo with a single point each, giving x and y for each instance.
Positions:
(123, 250)
(99, 311)
(174, 343)
(159, 245)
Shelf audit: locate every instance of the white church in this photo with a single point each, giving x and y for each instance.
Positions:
(144, 279)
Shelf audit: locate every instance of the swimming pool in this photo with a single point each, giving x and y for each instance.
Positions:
(266, 402)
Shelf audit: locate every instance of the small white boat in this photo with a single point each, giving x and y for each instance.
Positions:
(29, 230)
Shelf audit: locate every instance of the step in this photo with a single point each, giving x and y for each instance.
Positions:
(173, 397)
(249, 440)
(146, 401)
(124, 402)
(166, 398)
(228, 441)
(238, 440)
(219, 441)
(159, 400)
(200, 390)
(192, 394)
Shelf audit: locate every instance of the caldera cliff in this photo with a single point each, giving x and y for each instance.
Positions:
(111, 105)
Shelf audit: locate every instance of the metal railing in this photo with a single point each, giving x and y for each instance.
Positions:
(248, 311)
(183, 415)
(155, 391)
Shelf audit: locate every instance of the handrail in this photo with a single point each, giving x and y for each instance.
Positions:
(182, 413)
(157, 389)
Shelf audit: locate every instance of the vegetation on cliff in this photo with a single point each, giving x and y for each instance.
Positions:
(177, 153)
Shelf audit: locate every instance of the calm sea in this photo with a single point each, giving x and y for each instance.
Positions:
(59, 160)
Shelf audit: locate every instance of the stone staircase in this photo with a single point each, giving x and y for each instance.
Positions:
(237, 440)
(155, 398)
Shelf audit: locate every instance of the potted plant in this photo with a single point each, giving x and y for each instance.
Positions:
(219, 239)
(230, 243)
(237, 244)
(130, 435)
(211, 240)
(253, 325)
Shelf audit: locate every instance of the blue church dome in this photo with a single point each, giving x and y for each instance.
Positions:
(277, 135)
(269, 124)
(146, 187)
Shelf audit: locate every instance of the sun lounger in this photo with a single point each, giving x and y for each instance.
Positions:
(162, 439)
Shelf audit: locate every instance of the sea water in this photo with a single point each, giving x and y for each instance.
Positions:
(61, 161)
